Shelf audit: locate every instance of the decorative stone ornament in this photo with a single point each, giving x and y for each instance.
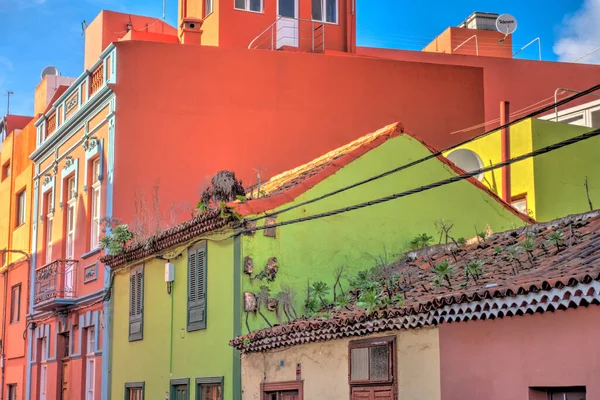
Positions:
(248, 265)
(272, 304)
(250, 304)
(272, 268)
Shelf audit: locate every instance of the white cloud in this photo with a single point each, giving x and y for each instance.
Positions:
(580, 34)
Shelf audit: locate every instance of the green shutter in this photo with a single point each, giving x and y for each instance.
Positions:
(136, 304)
(196, 307)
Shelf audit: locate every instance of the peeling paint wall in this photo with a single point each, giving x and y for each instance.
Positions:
(325, 367)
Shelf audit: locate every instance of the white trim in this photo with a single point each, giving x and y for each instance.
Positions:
(296, 11)
(247, 7)
(324, 12)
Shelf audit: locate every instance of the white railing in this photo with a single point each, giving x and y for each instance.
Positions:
(295, 32)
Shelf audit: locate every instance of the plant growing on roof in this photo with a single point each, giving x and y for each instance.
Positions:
(262, 299)
(320, 290)
(557, 239)
(369, 301)
(461, 242)
(339, 272)
(443, 271)
(513, 254)
(342, 302)
(473, 269)
(116, 240)
(420, 241)
(285, 298)
(224, 187)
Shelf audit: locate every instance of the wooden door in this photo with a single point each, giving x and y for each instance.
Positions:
(64, 389)
(181, 392)
(289, 395)
(373, 393)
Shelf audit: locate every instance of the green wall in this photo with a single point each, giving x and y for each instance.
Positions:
(560, 175)
(357, 239)
(203, 353)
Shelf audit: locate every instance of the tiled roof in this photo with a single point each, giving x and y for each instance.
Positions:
(511, 283)
(285, 187)
(207, 222)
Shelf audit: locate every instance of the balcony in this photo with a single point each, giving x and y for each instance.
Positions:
(55, 285)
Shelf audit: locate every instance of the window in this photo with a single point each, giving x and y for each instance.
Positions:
(372, 368)
(96, 201)
(249, 5)
(208, 7)
(21, 207)
(15, 304)
(595, 117)
(558, 393)
(134, 391)
(6, 170)
(89, 378)
(91, 341)
(520, 203)
(180, 389)
(70, 223)
(282, 390)
(324, 10)
(209, 388)
(48, 233)
(196, 306)
(43, 368)
(12, 392)
(136, 304)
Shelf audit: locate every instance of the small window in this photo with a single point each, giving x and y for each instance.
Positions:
(12, 392)
(15, 304)
(249, 5)
(48, 230)
(324, 10)
(91, 340)
(96, 205)
(210, 388)
(372, 361)
(21, 207)
(71, 189)
(6, 170)
(559, 393)
(134, 391)
(595, 117)
(136, 304)
(208, 7)
(90, 377)
(180, 389)
(519, 203)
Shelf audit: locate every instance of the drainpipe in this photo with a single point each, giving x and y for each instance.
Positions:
(505, 150)
(351, 26)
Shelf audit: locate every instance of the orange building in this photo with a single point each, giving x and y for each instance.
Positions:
(17, 140)
(253, 86)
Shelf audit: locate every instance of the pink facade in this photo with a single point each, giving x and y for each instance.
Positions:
(502, 359)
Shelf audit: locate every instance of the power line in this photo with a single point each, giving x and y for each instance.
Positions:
(429, 157)
(434, 185)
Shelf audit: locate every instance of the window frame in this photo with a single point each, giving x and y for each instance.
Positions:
(389, 341)
(212, 7)
(219, 380)
(11, 389)
(95, 204)
(134, 385)
(324, 12)
(21, 214)
(15, 318)
(266, 387)
(247, 7)
(49, 215)
(71, 205)
(90, 340)
(43, 368)
(192, 326)
(133, 318)
(520, 198)
(6, 170)
(90, 377)
(179, 382)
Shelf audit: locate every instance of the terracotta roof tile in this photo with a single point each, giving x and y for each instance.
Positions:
(208, 222)
(505, 275)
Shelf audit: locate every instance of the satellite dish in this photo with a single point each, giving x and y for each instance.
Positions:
(49, 70)
(467, 160)
(506, 24)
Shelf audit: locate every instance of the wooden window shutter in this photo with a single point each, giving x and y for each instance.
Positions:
(136, 304)
(196, 308)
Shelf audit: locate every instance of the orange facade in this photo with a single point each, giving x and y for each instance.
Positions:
(15, 223)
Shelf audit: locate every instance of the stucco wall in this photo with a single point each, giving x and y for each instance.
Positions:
(360, 239)
(197, 354)
(325, 367)
(502, 359)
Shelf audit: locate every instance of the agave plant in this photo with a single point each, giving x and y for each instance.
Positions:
(320, 290)
(474, 269)
(420, 241)
(443, 272)
(369, 301)
(557, 239)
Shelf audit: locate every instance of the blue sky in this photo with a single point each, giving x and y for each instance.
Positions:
(37, 33)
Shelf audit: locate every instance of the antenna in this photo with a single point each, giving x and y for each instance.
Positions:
(49, 70)
(8, 94)
(84, 26)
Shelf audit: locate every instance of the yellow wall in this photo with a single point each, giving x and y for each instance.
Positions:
(489, 149)
(198, 354)
(325, 367)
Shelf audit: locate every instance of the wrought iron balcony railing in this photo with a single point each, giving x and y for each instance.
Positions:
(57, 280)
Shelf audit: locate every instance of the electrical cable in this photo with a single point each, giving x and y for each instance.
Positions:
(430, 186)
(429, 157)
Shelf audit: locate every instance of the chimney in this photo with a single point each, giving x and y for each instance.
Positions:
(505, 150)
(190, 31)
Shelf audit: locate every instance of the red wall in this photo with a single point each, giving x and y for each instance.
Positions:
(207, 109)
(502, 359)
(522, 82)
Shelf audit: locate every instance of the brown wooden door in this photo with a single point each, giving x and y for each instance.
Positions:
(64, 391)
(373, 393)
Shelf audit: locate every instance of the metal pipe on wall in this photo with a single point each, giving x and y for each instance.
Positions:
(505, 150)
